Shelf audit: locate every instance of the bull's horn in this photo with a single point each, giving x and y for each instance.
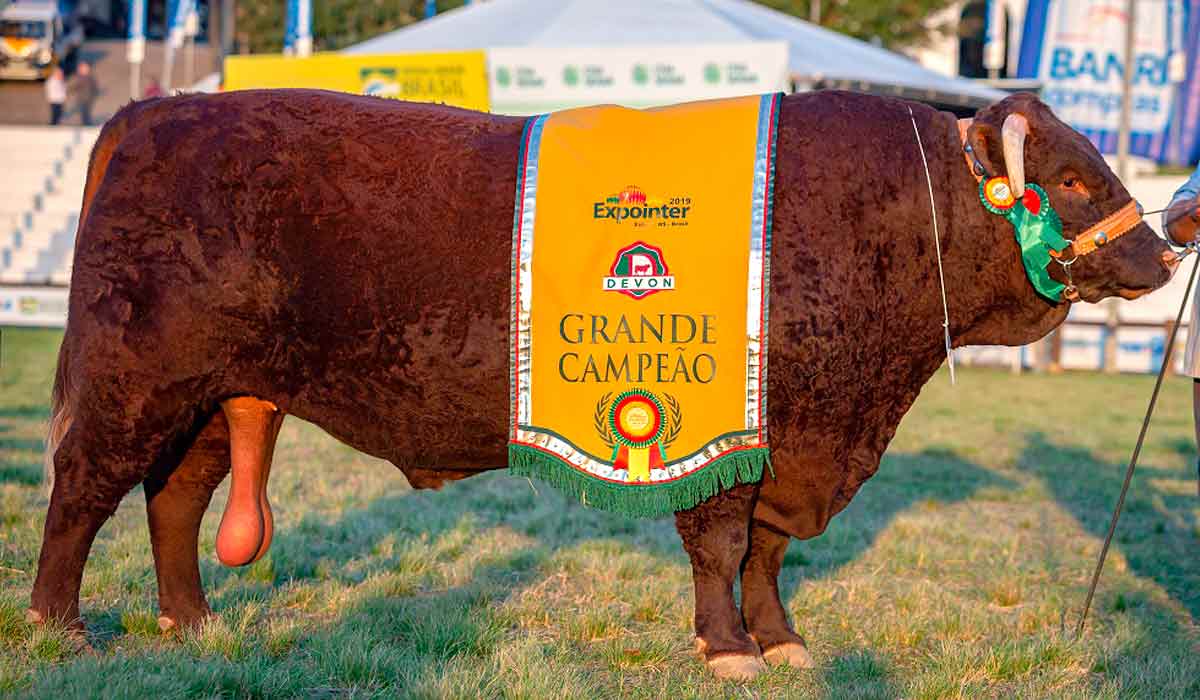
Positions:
(1012, 135)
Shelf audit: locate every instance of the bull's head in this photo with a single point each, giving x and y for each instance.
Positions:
(1021, 138)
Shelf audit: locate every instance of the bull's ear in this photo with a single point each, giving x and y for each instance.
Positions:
(980, 136)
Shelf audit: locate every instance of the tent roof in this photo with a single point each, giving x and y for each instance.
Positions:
(815, 55)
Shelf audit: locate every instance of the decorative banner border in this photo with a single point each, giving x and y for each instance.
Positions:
(522, 272)
(758, 288)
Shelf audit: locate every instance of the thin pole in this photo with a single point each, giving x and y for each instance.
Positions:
(189, 76)
(1137, 450)
(1123, 138)
(1123, 133)
(135, 49)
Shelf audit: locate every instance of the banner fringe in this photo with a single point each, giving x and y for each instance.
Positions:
(642, 500)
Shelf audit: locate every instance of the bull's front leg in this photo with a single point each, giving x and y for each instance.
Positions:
(715, 535)
(763, 612)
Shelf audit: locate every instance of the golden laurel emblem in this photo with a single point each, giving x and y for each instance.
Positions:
(638, 427)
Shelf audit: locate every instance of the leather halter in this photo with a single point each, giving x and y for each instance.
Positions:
(1113, 226)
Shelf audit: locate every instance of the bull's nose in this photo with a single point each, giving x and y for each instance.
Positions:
(1171, 259)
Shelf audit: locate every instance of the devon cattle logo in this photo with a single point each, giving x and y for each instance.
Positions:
(638, 271)
(638, 426)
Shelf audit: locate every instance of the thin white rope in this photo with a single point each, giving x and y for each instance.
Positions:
(937, 245)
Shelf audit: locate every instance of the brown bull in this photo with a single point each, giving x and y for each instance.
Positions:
(346, 260)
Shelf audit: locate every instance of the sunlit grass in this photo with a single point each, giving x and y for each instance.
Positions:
(959, 570)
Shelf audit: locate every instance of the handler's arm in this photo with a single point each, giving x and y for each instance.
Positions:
(1182, 218)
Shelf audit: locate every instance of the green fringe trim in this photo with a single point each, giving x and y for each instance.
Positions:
(642, 500)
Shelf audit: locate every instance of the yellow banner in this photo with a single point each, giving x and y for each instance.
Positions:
(456, 78)
(642, 247)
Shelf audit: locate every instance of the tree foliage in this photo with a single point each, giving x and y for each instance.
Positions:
(336, 23)
(895, 24)
(340, 23)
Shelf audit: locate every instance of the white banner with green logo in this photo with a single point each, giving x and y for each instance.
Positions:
(536, 80)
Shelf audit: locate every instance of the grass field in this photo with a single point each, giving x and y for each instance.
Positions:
(959, 570)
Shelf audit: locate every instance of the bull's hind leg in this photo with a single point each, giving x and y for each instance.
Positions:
(763, 612)
(102, 456)
(175, 504)
(715, 535)
(242, 435)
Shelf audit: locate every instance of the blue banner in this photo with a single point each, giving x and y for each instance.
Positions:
(177, 12)
(1186, 148)
(303, 26)
(289, 27)
(137, 19)
(1076, 49)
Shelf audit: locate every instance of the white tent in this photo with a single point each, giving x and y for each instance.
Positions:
(817, 57)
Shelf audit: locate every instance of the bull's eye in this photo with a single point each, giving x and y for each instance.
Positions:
(1072, 183)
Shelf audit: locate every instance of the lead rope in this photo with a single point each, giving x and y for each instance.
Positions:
(937, 246)
(1112, 526)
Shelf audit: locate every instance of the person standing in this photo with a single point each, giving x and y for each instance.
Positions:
(85, 89)
(56, 94)
(153, 89)
(1181, 221)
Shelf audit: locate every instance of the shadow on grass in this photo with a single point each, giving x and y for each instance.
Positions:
(26, 473)
(314, 548)
(436, 624)
(21, 471)
(860, 674)
(402, 632)
(934, 477)
(25, 412)
(1158, 533)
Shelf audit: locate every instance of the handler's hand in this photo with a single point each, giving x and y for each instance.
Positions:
(1183, 221)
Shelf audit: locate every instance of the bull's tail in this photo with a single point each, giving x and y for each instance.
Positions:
(61, 415)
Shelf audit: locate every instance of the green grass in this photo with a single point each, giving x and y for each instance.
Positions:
(959, 570)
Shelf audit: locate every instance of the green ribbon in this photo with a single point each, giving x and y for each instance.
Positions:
(1037, 234)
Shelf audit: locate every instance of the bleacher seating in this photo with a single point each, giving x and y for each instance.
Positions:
(41, 189)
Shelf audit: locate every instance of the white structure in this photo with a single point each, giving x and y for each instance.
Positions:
(41, 189)
(968, 43)
(817, 57)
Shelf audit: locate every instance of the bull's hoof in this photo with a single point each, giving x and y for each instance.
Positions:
(736, 667)
(182, 618)
(76, 632)
(789, 654)
(34, 617)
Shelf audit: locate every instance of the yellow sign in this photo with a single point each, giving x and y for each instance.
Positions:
(640, 283)
(456, 78)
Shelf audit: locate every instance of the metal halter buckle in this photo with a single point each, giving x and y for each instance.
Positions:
(1070, 287)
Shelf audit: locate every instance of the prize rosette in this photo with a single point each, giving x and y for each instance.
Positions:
(997, 195)
(1037, 226)
(636, 421)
